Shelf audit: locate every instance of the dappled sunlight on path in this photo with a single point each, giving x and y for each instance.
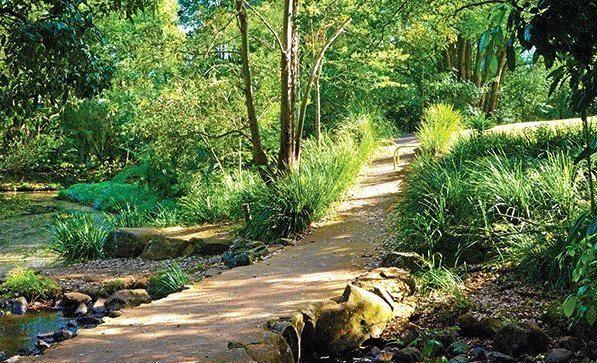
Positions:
(197, 324)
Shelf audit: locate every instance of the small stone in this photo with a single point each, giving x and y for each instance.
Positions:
(19, 306)
(478, 354)
(81, 309)
(115, 313)
(13, 359)
(558, 355)
(497, 357)
(469, 325)
(43, 345)
(407, 355)
(71, 324)
(62, 335)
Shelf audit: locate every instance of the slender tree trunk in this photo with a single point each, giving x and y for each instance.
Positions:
(495, 87)
(285, 155)
(318, 109)
(259, 156)
(312, 77)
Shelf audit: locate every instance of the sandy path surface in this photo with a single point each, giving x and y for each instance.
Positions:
(197, 324)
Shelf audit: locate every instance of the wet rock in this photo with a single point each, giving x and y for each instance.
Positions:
(62, 335)
(409, 261)
(497, 357)
(19, 306)
(457, 348)
(521, 338)
(568, 342)
(127, 298)
(71, 324)
(345, 325)
(13, 359)
(558, 355)
(407, 355)
(47, 337)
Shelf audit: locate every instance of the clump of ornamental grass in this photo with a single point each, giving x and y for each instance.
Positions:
(166, 281)
(438, 128)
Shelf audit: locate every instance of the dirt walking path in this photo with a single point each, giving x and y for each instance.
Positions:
(197, 324)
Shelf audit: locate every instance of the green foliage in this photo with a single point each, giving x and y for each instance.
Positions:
(112, 286)
(27, 283)
(495, 195)
(169, 280)
(290, 205)
(582, 253)
(434, 277)
(217, 198)
(79, 237)
(110, 195)
(479, 122)
(438, 127)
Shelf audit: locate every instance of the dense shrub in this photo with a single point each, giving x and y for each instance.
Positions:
(167, 281)
(306, 194)
(79, 237)
(27, 283)
(438, 127)
(512, 197)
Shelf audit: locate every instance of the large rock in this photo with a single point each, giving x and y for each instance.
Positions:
(346, 324)
(127, 298)
(72, 300)
(521, 338)
(410, 261)
(149, 243)
(210, 246)
(164, 248)
(399, 283)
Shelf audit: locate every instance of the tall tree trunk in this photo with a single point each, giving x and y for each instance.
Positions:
(314, 72)
(317, 109)
(495, 87)
(259, 156)
(285, 154)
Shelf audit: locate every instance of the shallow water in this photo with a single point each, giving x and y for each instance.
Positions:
(20, 331)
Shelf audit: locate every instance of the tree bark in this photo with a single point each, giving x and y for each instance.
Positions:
(259, 156)
(495, 86)
(285, 154)
(317, 109)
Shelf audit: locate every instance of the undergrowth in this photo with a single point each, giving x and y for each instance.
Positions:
(25, 282)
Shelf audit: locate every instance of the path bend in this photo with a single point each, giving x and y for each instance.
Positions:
(196, 325)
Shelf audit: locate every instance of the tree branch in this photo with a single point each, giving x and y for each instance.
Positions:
(268, 26)
(480, 3)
